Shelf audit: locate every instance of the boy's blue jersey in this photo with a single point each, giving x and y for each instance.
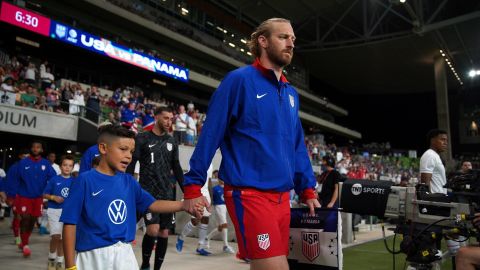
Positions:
(58, 186)
(104, 208)
(87, 158)
(253, 118)
(218, 195)
(12, 181)
(33, 176)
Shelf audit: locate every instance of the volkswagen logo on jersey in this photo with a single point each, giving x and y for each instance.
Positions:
(169, 146)
(292, 100)
(263, 241)
(311, 245)
(64, 192)
(117, 211)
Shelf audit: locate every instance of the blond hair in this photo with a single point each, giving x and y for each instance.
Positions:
(264, 29)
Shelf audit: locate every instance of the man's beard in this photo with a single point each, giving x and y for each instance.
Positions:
(276, 57)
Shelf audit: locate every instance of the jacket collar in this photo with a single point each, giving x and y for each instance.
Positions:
(268, 73)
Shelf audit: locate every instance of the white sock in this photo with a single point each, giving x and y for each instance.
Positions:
(52, 256)
(225, 236)
(60, 259)
(202, 234)
(211, 234)
(187, 229)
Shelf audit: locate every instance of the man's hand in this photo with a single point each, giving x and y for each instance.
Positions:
(195, 206)
(330, 205)
(312, 203)
(3, 196)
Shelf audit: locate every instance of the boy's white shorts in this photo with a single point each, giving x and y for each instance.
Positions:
(221, 214)
(119, 256)
(54, 223)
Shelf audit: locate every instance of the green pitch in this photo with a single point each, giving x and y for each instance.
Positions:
(374, 256)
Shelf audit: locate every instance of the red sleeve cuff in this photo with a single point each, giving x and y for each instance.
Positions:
(308, 194)
(192, 192)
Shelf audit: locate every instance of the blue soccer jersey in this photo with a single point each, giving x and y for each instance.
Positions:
(87, 158)
(58, 186)
(33, 176)
(12, 181)
(104, 209)
(218, 195)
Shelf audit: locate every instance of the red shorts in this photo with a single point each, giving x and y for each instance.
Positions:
(261, 220)
(28, 206)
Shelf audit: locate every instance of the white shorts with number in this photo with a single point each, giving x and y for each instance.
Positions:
(221, 214)
(54, 223)
(119, 256)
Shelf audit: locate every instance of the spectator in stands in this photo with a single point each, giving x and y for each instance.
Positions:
(66, 96)
(52, 99)
(30, 73)
(93, 105)
(29, 99)
(128, 116)
(7, 91)
(47, 78)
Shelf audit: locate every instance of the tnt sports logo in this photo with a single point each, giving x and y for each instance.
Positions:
(64, 192)
(311, 245)
(356, 189)
(263, 241)
(117, 211)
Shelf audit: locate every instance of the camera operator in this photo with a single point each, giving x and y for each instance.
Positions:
(469, 257)
(466, 167)
(432, 171)
(329, 179)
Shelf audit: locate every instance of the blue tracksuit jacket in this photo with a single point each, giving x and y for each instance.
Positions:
(253, 118)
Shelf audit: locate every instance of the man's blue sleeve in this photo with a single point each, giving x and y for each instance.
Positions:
(222, 110)
(86, 160)
(48, 188)
(303, 178)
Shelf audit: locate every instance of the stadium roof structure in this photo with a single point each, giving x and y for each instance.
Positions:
(376, 46)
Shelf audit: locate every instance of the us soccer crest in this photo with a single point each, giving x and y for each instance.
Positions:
(169, 146)
(292, 101)
(43, 167)
(263, 241)
(60, 30)
(311, 245)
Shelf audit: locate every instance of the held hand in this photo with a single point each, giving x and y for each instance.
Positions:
(58, 199)
(330, 205)
(3, 196)
(195, 206)
(312, 203)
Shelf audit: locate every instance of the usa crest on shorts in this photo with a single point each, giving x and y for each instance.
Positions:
(311, 245)
(169, 146)
(292, 100)
(263, 241)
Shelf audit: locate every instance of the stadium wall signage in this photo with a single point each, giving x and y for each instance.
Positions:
(38, 123)
(42, 25)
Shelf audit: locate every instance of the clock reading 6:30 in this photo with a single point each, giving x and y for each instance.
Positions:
(26, 19)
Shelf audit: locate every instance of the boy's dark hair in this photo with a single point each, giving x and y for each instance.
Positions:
(66, 157)
(216, 171)
(115, 131)
(434, 133)
(96, 161)
(161, 109)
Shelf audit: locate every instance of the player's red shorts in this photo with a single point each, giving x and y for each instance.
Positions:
(29, 206)
(261, 220)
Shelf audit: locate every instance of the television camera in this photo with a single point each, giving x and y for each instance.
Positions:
(422, 218)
